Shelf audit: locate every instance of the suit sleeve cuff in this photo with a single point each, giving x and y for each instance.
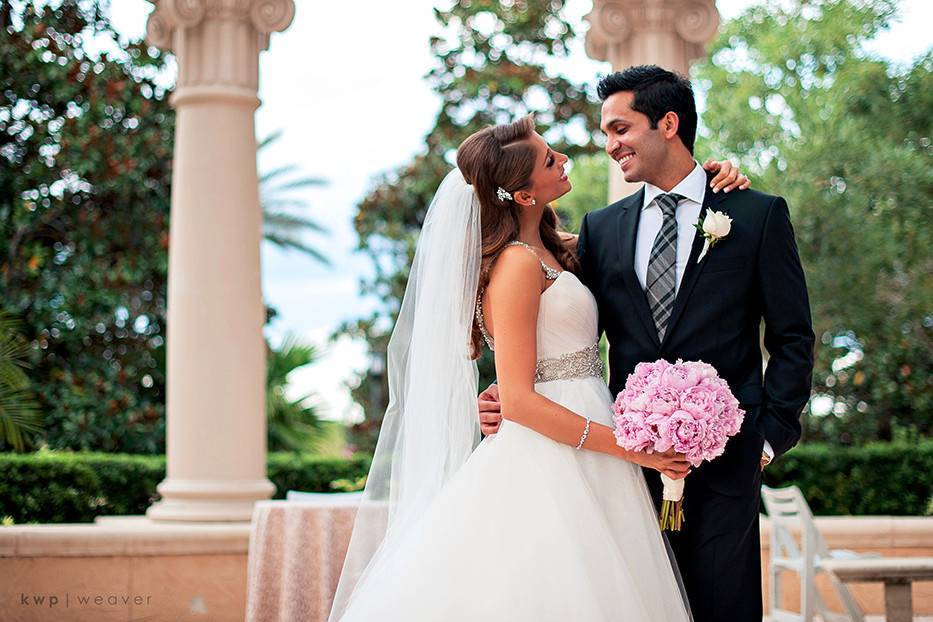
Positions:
(768, 450)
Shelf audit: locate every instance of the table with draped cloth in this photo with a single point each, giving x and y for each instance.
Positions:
(296, 552)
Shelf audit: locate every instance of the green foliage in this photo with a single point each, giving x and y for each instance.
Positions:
(308, 473)
(491, 69)
(52, 487)
(20, 419)
(86, 146)
(590, 180)
(293, 424)
(792, 95)
(60, 487)
(349, 485)
(281, 226)
(874, 479)
(845, 137)
(86, 149)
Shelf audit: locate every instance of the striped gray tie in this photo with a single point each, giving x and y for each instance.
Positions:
(662, 273)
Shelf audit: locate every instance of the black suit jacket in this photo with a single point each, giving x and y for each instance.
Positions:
(753, 274)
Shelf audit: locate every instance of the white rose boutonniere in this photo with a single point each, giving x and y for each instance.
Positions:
(714, 227)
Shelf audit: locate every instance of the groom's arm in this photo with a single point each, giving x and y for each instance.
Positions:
(788, 331)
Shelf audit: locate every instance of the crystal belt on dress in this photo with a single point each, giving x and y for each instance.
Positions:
(583, 363)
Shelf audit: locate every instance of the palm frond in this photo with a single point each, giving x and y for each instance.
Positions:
(268, 140)
(13, 349)
(286, 220)
(20, 419)
(12, 377)
(291, 244)
(9, 324)
(277, 172)
(280, 227)
(19, 414)
(295, 184)
(291, 355)
(294, 424)
(276, 202)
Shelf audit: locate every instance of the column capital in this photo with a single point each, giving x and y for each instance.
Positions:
(668, 33)
(266, 16)
(615, 23)
(217, 43)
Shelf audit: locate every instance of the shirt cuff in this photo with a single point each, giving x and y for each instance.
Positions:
(768, 450)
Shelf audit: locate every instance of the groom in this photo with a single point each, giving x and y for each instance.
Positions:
(639, 256)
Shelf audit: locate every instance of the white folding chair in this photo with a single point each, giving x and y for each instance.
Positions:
(788, 511)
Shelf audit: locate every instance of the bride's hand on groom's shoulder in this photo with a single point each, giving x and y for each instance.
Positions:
(490, 416)
(727, 176)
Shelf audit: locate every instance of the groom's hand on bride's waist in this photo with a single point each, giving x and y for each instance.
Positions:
(490, 415)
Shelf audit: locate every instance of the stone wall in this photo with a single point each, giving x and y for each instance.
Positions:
(130, 568)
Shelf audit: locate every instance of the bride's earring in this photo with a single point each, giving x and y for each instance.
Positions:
(533, 202)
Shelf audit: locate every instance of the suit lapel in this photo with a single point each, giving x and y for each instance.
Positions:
(693, 269)
(628, 230)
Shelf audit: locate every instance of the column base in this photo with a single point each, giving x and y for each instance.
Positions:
(209, 500)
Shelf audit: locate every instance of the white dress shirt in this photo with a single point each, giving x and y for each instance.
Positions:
(693, 188)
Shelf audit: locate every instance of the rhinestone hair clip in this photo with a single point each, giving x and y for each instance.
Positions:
(503, 194)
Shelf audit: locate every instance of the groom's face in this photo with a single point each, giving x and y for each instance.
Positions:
(638, 149)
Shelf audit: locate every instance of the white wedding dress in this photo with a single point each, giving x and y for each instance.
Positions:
(530, 529)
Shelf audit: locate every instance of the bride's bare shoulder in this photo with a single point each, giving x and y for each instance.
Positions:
(515, 269)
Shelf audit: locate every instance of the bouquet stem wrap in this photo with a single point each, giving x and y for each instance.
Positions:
(672, 500)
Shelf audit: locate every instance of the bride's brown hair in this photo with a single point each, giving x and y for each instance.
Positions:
(502, 156)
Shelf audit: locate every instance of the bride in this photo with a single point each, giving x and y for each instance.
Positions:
(549, 519)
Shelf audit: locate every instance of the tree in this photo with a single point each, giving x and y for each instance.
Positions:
(86, 145)
(791, 94)
(491, 69)
(86, 148)
(845, 137)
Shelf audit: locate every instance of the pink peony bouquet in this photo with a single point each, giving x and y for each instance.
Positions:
(684, 406)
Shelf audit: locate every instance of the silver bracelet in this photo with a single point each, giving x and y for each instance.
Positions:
(586, 432)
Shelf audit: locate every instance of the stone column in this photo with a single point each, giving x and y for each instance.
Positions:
(669, 33)
(216, 420)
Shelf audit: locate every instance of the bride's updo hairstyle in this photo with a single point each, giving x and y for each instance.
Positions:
(502, 156)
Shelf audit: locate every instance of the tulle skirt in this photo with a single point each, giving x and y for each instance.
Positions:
(531, 529)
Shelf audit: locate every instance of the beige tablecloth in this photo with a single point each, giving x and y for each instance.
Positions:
(296, 552)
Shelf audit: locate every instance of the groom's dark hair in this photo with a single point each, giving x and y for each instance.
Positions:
(657, 91)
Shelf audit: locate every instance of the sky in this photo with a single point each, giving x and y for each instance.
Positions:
(344, 83)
